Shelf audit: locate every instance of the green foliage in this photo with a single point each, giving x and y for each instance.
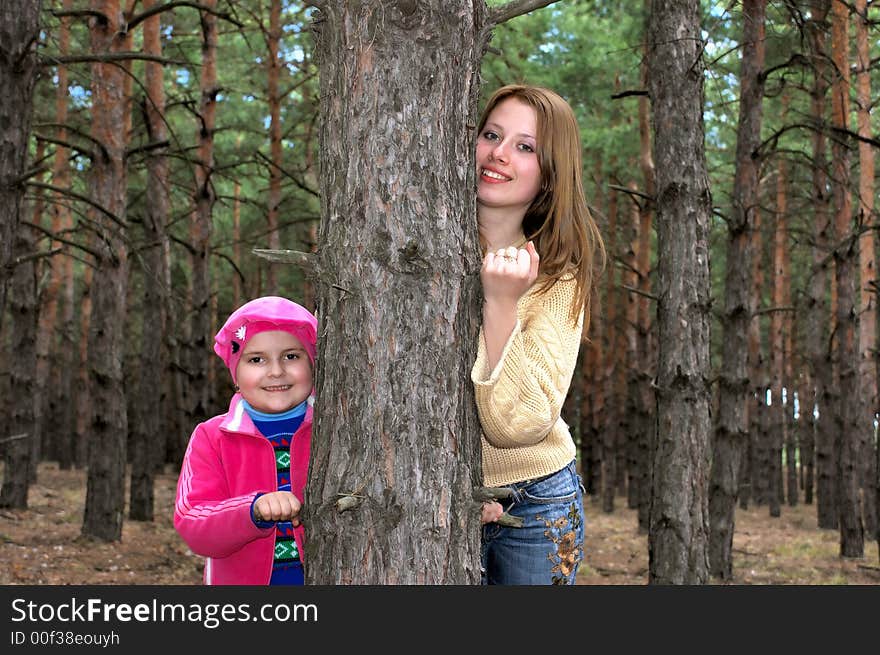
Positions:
(590, 51)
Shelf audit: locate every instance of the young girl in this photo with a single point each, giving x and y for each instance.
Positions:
(539, 243)
(243, 475)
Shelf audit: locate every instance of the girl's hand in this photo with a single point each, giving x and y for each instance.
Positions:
(278, 506)
(491, 512)
(507, 274)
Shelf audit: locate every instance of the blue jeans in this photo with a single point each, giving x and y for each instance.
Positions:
(550, 545)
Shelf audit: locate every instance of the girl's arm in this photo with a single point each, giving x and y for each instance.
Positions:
(210, 521)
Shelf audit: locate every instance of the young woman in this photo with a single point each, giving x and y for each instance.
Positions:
(541, 248)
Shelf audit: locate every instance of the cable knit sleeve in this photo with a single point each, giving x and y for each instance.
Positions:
(520, 400)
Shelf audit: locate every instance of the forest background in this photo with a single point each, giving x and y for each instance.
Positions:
(211, 125)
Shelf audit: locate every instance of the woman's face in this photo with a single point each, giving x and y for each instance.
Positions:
(508, 171)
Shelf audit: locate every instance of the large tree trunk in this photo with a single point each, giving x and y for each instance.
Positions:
(846, 438)
(396, 436)
(732, 428)
(679, 527)
(19, 35)
(868, 273)
(105, 492)
(20, 30)
(149, 424)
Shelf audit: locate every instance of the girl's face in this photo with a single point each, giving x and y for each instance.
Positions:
(274, 373)
(508, 171)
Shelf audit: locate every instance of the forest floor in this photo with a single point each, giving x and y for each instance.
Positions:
(42, 545)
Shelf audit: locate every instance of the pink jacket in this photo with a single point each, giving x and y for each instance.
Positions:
(227, 463)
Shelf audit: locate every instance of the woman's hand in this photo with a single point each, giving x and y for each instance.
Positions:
(490, 512)
(507, 274)
(278, 506)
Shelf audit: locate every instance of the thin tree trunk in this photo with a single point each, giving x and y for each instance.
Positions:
(149, 423)
(868, 273)
(62, 221)
(201, 227)
(778, 356)
(647, 401)
(817, 309)
(273, 69)
(612, 361)
(786, 314)
(105, 489)
(398, 294)
(37, 439)
(731, 428)
(847, 439)
(632, 425)
(679, 528)
(757, 370)
(587, 416)
(83, 399)
(807, 437)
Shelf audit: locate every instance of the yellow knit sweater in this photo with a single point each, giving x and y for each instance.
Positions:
(519, 402)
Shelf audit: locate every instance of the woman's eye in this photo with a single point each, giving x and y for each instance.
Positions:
(525, 147)
(292, 356)
(255, 360)
(490, 136)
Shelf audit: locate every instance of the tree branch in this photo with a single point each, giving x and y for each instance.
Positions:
(79, 196)
(65, 144)
(631, 192)
(21, 259)
(305, 260)
(627, 94)
(136, 20)
(55, 237)
(514, 8)
(115, 56)
(153, 145)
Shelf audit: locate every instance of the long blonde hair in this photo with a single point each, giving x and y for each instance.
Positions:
(558, 220)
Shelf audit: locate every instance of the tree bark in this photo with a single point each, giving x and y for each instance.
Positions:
(612, 361)
(396, 434)
(647, 402)
(846, 438)
(778, 427)
(62, 221)
(868, 273)
(679, 527)
(201, 226)
(273, 70)
(105, 491)
(732, 428)
(20, 30)
(18, 451)
(147, 443)
(817, 332)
